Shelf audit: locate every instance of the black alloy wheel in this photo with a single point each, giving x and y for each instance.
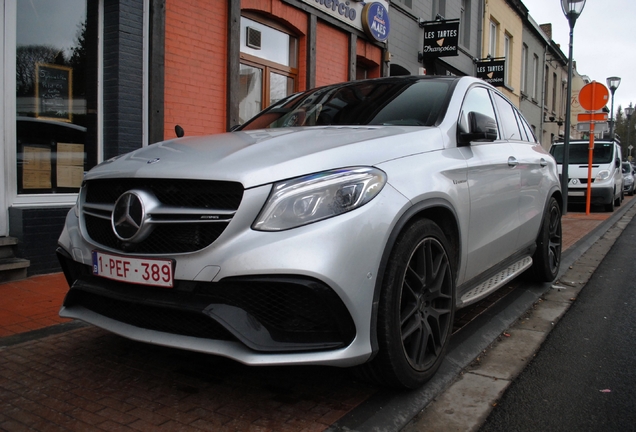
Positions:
(417, 304)
(547, 258)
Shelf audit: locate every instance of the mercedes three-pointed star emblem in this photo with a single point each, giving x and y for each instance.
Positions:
(128, 216)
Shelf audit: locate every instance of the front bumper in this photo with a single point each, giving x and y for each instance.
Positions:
(266, 314)
(600, 195)
(302, 296)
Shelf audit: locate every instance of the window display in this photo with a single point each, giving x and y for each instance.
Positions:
(56, 94)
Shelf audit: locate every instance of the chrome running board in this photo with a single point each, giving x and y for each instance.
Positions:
(483, 289)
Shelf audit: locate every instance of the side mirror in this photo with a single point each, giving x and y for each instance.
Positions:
(179, 131)
(480, 128)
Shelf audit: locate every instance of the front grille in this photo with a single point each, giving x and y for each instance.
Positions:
(172, 192)
(180, 230)
(166, 238)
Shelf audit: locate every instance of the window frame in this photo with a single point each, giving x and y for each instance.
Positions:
(524, 66)
(492, 42)
(11, 196)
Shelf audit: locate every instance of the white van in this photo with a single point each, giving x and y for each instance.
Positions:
(607, 178)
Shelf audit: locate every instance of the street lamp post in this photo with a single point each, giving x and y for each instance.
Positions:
(628, 112)
(572, 10)
(612, 83)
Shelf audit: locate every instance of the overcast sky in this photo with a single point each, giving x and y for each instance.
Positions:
(604, 40)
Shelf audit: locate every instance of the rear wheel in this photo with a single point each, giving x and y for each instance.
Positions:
(547, 257)
(417, 302)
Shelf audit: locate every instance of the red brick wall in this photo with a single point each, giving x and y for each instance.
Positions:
(196, 58)
(370, 56)
(195, 66)
(332, 55)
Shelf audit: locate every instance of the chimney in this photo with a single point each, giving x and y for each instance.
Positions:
(547, 29)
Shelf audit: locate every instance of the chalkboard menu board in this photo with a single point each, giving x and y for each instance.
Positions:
(54, 92)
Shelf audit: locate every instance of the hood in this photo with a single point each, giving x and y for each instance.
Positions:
(263, 156)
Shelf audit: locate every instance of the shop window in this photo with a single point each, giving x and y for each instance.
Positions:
(56, 94)
(269, 66)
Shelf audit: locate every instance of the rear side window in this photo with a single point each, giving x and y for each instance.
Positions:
(508, 120)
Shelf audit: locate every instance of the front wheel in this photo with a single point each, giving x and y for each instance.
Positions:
(417, 303)
(547, 257)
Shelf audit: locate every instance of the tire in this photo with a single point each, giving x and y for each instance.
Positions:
(610, 206)
(416, 310)
(547, 257)
(619, 200)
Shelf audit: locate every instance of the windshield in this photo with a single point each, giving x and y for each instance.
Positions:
(391, 102)
(579, 153)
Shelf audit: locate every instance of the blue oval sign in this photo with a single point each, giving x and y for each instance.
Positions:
(375, 21)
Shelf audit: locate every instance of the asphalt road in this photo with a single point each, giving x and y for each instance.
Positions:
(584, 376)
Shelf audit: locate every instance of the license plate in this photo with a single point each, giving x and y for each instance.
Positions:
(576, 193)
(144, 271)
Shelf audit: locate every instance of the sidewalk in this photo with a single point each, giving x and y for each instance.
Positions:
(33, 303)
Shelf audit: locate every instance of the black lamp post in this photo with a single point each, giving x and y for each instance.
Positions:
(571, 9)
(628, 112)
(612, 83)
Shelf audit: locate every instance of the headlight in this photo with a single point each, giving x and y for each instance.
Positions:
(602, 175)
(319, 196)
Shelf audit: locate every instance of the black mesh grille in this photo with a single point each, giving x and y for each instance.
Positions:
(299, 311)
(166, 238)
(173, 192)
(169, 237)
(150, 317)
(278, 305)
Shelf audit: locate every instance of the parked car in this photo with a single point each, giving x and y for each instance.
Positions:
(606, 175)
(341, 226)
(628, 178)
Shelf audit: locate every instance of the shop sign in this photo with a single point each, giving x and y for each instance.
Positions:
(349, 12)
(375, 21)
(440, 38)
(492, 71)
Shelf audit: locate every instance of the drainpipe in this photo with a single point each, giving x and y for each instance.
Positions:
(542, 124)
(481, 11)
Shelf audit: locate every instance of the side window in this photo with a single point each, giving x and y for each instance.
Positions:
(524, 132)
(528, 130)
(507, 120)
(477, 100)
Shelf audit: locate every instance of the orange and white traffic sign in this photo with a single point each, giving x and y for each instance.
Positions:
(593, 96)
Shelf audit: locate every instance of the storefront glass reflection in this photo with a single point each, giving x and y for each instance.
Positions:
(56, 94)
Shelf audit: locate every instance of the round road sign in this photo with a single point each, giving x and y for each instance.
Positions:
(593, 96)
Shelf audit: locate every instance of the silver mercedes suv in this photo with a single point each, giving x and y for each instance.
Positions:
(341, 226)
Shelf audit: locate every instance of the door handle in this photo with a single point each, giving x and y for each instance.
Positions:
(543, 162)
(512, 162)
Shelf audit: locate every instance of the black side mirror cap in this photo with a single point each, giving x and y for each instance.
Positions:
(481, 127)
(179, 131)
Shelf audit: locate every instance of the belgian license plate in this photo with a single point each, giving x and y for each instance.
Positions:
(576, 193)
(144, 271)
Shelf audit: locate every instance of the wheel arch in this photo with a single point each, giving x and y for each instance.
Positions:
(437, 210)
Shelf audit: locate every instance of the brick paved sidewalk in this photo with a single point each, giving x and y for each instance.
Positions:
(34, 303)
